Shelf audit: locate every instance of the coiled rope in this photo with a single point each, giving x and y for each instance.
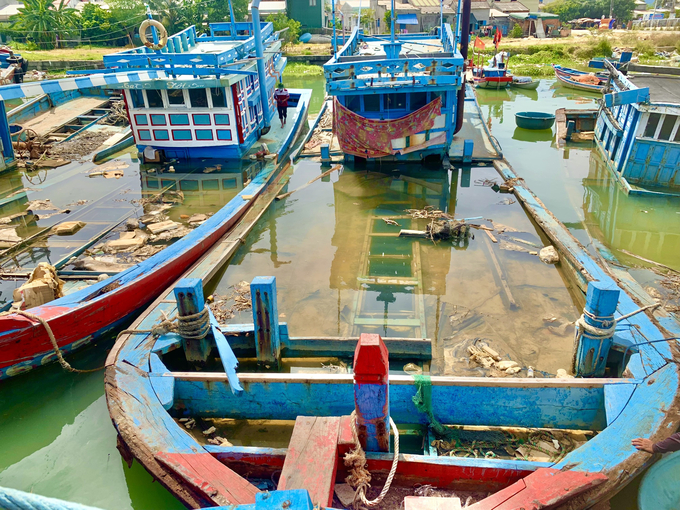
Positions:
(609, 328)
(194, 326)
(359, 476)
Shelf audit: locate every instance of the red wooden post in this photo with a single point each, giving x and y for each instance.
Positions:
(371, 393)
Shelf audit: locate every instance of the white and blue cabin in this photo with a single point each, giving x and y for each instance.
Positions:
(638, 131)
(209, 103)
(385, 79)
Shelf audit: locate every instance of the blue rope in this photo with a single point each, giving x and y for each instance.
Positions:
(11, 499)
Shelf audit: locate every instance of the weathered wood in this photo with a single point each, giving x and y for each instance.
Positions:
(544, 488)
(500, 275)
(190, 301)
(227, 357)
(371, 393)
(311, 461)
(266, 320)
(616, 397)
(490, 235)
(592, 351)
(431, 503)
(213, 480)
(162, 382)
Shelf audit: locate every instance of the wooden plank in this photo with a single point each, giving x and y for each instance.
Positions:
(544, 488)
(502, 280)
(616, 397)
(431, 503)
(210, 478)
(229, 361)
(312, 459)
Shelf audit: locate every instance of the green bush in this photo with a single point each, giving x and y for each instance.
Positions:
(516, 32)
(645, 48)
(603, 48)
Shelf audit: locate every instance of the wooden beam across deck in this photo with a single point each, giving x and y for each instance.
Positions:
(550, 403)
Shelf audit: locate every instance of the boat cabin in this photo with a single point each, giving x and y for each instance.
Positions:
(207, 103)
(381, 82)
(638, 130)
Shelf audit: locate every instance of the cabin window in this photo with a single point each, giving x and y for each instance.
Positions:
(418, 100)
(219, 99)
(211, 185)
(198, 98)
(435, 95)
(158, 120)
(223, 134)
(204, 134)
(372, 103)
(312, 3)
(144, 135)
(169, 185)
(228, 183)
(667, 127)
(395, 102)
(161, 134)
(181, 119)
(141, 120)
(222, 119)
(202, 119)
(181, 134)
(137, 97)
(353, 103)
(155, 98)
(652, 123)
(176, 97)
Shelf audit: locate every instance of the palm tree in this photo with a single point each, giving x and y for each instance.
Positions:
(42, 22)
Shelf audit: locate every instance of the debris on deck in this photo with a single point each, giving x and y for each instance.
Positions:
(68, 228)
(226, 307)
(42, 287)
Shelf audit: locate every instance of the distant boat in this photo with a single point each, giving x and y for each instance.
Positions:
(523, 82)
(571, 78)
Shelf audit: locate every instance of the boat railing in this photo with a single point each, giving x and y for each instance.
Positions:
(396, 72)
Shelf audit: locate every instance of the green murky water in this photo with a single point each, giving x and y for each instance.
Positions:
(341, 270)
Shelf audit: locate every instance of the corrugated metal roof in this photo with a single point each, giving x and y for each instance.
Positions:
(425, 3)
(510, 6)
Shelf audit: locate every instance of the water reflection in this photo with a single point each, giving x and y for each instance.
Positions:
(532, 135)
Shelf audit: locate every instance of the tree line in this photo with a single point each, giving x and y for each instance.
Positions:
(47, 25)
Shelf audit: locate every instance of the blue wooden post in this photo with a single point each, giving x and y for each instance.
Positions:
(266, 320)
(592, 351)
(468, 147)
(571, 127)
(465, 177)
(325, 154)
(371, 393)
(190, 301)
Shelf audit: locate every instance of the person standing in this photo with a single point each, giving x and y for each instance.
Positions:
(282, 96)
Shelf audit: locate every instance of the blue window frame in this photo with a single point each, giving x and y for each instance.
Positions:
(137, 97)
(222, 119)
(223, 134)
(151, 183)
(141, 120)
(211, 185)
(158, 120)
(201, 119)
(168, 184)
(179, 119)
(204, 134)
(181, 134)
(188, 185)
(144, 134)
(228, 183)
(161, 134)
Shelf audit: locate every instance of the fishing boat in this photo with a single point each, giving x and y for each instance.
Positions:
(404, 88)
(638, 132)
(524, 82)
(495, 75)
(579, 80)
(40, 335)
(169, 414)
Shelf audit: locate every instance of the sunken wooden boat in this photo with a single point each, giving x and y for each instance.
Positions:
(155, 398)
(100, 308)
(570, 78)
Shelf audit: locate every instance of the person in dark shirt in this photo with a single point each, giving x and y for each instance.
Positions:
(282, 96)
(670, 444)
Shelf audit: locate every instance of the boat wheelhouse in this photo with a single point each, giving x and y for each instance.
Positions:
(396, 98)
(638, 131)
(212, 101)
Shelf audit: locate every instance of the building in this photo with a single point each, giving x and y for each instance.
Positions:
(479, 16)
(310, 13)
(539, 24)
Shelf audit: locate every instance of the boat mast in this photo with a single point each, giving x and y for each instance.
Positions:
(259, 53)
(154, 32)
(441, 19)
(335, 41)
(392, 22)
(232, 21)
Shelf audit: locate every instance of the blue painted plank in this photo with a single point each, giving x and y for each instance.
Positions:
(229, 361)
(626, 97)
(266, 320)
(559, 407)
(616, 397)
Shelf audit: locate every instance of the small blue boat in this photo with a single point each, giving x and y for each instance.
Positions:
(534, 120)
(570, 78)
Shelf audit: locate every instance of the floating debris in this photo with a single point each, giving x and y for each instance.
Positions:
(68, 228)
(549, 255)
(240, 302)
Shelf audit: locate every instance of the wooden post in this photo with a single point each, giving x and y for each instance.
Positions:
(190, 301)
(468, 147)
(325, 154)
(371, 393)
(266, 320)
(592, 351)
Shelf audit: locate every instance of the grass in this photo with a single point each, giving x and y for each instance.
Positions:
(84, 53)
(297, 69)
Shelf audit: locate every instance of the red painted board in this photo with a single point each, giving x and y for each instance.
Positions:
(542, 489)
(209, 477)
(345, 436)
(312, 458)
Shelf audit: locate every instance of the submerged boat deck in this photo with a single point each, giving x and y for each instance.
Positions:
(474, 128)
(59, 115)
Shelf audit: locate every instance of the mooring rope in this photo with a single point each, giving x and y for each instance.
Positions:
(359, 476)
(194, 326)
(600, 333)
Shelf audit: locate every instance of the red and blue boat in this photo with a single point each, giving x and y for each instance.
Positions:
(580, 80)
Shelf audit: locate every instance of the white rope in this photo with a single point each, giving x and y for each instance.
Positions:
(363, 486)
